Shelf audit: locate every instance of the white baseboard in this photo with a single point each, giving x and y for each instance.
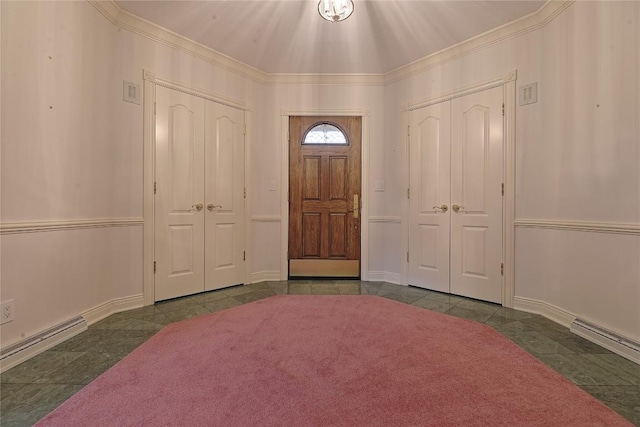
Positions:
(40, 342)
(265, 276)
(385, 276)
(549, 311)
(114, 306)
(625, 347)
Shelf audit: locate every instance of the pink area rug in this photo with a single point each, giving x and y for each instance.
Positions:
(330, 361)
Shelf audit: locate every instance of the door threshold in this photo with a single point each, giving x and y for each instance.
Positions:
(327, 268)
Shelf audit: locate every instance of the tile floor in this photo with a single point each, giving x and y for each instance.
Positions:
(31, 390)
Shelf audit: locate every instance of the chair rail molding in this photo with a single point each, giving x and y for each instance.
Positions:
(586, 226)
(67, 224)
(266, 218)
(386, 219)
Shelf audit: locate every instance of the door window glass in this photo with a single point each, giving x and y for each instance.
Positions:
(325, 133)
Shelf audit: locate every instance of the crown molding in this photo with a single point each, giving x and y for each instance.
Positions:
(126, 20)
(142, 27)
(326, 79)
(324, 112)
(536, 20)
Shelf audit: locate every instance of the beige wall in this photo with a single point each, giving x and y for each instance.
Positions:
(577, 156)
(82, 159)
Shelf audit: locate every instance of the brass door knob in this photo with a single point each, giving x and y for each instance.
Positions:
(457, 208)
(198, 206)
(443, 208)
(211, 206)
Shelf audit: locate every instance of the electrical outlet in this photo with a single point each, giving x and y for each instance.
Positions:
(6, 312)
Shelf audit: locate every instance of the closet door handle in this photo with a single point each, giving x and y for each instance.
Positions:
(443, 208)
(211, 206)
(198, 206)
(457, 208)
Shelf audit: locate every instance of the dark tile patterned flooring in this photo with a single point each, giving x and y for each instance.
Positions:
(34, 388)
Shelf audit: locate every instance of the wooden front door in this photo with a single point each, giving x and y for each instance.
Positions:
(324, 196)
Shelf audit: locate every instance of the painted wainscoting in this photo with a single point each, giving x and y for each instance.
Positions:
(587, 270)
(265, 249)
(385, 250)
(55, 271)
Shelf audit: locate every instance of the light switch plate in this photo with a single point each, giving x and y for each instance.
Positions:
(528, 94)
(131, 92)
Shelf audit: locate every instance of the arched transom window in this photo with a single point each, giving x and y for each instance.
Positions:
(325, 133)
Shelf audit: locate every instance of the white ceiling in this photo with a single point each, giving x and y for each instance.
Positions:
(288, 36)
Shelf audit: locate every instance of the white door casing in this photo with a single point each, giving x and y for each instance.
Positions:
(476, 185)
(429, 220)
(179, 226)
(458, 251)
(224, 195)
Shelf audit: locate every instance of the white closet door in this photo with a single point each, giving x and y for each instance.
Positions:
(179, 221)
(224, 188)
(430, 190)
(476, 181)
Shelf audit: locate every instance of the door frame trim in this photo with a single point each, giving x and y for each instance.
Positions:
(364, 185)
(508, 83)
(148, 165)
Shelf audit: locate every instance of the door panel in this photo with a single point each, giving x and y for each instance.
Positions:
(474, 137)
(337, 235)
(311, 234)
(324, 200)
(456, 159)
(476, 181)
(179, 227)
(430, 185)
(224, 195)
(338, 178)
(311, 178)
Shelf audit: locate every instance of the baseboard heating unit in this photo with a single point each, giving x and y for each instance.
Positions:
(29, 347)
(623, 346)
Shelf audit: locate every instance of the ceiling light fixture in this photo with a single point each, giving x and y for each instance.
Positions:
(335, 10)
